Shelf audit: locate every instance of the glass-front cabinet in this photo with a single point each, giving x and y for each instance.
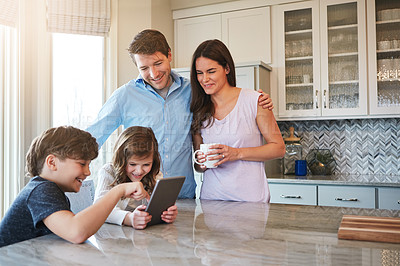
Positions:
(323, 71)
(384, 56)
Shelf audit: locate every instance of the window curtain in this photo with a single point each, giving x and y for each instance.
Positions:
(88, 17)
(8, 12)
(11, 175)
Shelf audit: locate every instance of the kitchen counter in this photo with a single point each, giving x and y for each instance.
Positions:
(355, 180)
(218, 233)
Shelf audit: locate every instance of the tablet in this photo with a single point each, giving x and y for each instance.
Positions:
(164, 196)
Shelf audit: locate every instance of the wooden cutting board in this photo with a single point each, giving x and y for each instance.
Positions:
(370, 228)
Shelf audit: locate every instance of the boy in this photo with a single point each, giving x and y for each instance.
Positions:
(58, 161)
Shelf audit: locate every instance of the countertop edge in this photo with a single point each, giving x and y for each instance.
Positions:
(316, 181)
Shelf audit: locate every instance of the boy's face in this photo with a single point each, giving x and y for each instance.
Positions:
(71, 174)
(155, 69)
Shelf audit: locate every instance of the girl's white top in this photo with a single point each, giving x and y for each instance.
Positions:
(106, 176)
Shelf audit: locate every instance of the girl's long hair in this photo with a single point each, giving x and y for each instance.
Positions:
(140, 142)
(201, 105)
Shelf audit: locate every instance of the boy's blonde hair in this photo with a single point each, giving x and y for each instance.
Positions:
(63, 142)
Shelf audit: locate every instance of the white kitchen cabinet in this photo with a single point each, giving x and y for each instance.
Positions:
(322, 69)
(329, 193)
(247, 34)
(384, 56)
(190, 32)
(253, 75)
(235, 28)
(300, 194)
(346, 196)
(389, 198)
(250, 75)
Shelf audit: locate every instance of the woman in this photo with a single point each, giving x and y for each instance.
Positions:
(231, 117)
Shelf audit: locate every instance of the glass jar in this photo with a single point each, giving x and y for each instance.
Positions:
(293, 153)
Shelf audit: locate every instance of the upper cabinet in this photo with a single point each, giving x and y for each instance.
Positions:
(384, 56)
(246, 32)
(322, 68)
(190, 32)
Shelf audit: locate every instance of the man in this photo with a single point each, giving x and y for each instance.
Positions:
(160, 99)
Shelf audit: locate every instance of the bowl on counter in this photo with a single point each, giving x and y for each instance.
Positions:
(320, 162)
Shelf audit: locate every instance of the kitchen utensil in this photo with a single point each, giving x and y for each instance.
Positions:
(293, 152)
(370, 228)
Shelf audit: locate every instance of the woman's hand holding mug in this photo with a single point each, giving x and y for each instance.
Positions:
(202, 158)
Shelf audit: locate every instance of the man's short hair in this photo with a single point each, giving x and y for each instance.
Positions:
(148, 42)
(63, 142)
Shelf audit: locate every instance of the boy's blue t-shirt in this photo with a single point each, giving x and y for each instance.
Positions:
(24, 220)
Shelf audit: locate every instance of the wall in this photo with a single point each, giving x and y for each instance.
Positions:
(359, 146)
(161, 19)
(133, 17)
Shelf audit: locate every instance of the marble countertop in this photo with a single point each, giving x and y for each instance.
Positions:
(355, 180)
(218, 233)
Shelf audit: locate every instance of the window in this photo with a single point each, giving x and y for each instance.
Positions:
(77, 82)
(77, 75)
(77, 79)
(78, 62)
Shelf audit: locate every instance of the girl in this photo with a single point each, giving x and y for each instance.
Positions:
(136, 159)
(230, 116)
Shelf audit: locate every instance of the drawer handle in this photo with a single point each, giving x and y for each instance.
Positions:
(351, 199)
(398, 202)
(290, 197)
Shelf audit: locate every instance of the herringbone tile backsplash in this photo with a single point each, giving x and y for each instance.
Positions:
(359, 146)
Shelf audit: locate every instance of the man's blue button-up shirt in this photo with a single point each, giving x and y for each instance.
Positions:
(138, 104)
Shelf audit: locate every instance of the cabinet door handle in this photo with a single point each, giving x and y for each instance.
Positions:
(290, 197)
(325, 99)
(316, 99)
(398, 202)
(351, 199)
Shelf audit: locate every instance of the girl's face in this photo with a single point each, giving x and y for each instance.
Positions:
(211, 75)
(138, 167)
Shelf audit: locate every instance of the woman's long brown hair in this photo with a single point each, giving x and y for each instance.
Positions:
(201, 105)
(140, 142)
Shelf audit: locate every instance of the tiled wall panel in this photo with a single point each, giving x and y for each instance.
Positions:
(360, 146)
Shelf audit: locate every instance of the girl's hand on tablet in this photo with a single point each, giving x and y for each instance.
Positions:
(170, 214)
(140, 218)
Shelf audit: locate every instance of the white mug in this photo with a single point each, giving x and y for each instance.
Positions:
(204, 148)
